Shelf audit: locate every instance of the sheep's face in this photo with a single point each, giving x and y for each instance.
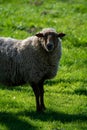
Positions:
(49, 40)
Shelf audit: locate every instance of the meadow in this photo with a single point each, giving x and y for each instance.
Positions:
(66, 94)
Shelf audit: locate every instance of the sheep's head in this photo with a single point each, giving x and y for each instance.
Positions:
(49, 38)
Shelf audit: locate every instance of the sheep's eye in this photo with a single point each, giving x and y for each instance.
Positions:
(45, 36)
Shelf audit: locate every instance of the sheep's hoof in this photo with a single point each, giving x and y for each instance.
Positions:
(41, 109)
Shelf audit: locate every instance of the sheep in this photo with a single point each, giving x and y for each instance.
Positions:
(32, 60)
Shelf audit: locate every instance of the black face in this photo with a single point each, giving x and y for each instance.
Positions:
(50, 40)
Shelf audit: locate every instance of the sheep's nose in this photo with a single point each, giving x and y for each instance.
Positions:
(50, 47)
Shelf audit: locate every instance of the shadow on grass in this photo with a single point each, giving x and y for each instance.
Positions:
(12, 122)
(80, 91)
(55, 82)
(53, 115)
(17, 88)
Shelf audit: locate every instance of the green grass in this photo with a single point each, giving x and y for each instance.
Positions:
(66, 94)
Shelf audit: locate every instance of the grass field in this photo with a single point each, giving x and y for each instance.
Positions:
(66, 94)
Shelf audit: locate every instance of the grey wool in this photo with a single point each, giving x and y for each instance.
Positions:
(32, 60)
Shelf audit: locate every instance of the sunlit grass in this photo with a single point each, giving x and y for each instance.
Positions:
(66, 94)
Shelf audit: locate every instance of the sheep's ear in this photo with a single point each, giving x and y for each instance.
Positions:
(39, 35)
(60, 35)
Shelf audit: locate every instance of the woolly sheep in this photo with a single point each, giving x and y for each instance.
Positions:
(32, 60)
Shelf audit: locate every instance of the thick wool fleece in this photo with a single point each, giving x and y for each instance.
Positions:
(26, 61)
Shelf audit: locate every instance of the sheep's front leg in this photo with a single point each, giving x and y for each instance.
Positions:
(39, 95)
(41, 89)
(36, 93)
